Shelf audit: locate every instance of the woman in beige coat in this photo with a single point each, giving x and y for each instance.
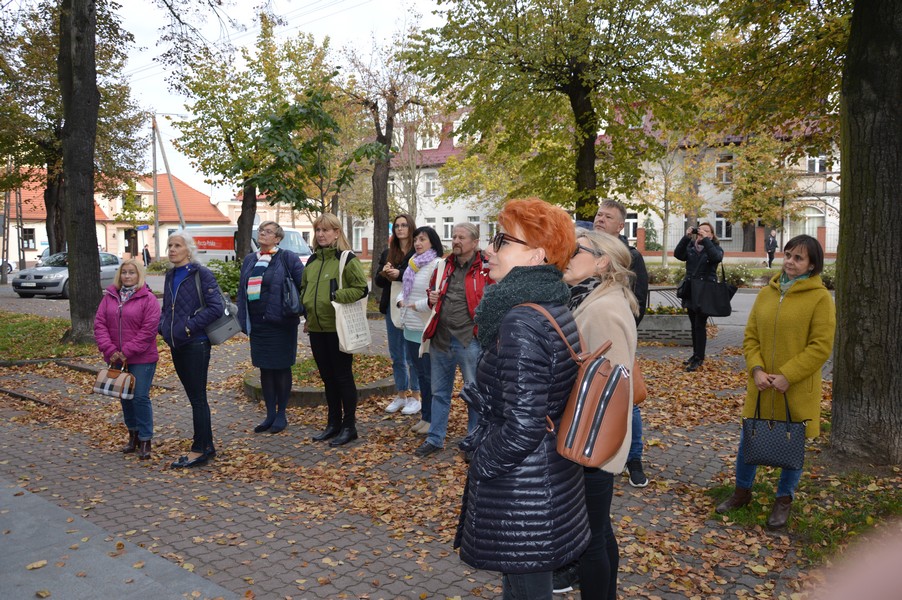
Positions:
(604, 308)
(788, 338)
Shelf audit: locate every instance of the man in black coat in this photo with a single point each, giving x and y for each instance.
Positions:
(771, 246)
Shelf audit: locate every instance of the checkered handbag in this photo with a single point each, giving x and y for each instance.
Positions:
(773, 442)
(116, 383)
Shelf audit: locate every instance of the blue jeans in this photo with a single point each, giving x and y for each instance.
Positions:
(138, 412)
(636, 443)
(527, 586)
(403, 368)
(424, 374)
(745, 476)
(444, 366)
(191, 362)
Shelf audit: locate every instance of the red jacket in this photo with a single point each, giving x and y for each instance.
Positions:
(476, 279)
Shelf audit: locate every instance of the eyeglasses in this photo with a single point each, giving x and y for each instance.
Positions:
(581, 248)
(502, 238)
(266, 231)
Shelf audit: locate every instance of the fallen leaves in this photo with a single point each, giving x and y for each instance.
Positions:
(36, 565)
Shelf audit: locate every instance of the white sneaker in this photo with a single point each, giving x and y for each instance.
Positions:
(412, 407)
(397, 404)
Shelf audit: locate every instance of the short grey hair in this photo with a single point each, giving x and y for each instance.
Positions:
(189, 243)
(469, 228)
(280, 233)
(609, 203)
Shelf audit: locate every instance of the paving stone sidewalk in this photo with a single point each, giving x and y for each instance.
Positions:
(272, 537)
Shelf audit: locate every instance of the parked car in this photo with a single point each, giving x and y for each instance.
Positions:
(52, 277)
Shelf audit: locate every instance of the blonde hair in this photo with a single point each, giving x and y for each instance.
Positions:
(142, 276)
(618, 271)
(330, 221)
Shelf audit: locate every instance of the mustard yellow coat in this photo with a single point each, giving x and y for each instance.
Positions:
(792, 337)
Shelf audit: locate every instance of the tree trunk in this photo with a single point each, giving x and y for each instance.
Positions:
(77, 74)
(54, 203)
(245, 221)
(867, 390)
(380, 208)
(586, 135)
(748, 237)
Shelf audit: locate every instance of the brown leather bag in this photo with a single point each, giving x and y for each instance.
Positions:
(640, 392)
(594, 423)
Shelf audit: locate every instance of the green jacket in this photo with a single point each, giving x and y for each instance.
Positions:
(320, 279)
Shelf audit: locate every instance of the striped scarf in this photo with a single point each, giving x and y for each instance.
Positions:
(255, 281)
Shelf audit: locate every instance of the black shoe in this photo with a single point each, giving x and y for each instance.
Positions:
(185, 463)
(426, 449)
(688, 360)
(637, 475)
(566, 579)
(264, 425)
(329, 432)
(348, 434)
(695, 364)
(279, 425)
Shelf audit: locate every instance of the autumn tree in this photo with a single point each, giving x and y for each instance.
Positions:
(529, 66)
(833, 67)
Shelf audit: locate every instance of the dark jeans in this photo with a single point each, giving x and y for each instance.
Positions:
(336, 371)
(699, 334)
(598, 564)
(192, 361)
(527, 586)
(770, 259)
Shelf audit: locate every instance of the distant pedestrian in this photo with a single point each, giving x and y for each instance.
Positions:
(125, 328)
(788, 338)
(701, 251)
(771, 246)
(146, 255)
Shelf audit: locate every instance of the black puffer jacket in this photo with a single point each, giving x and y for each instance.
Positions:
(699, 265)
(524, 506)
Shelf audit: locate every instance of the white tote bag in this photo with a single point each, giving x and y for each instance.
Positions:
(394, 309)
(350, 319)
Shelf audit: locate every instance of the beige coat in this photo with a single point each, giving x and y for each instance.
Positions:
(605, 315)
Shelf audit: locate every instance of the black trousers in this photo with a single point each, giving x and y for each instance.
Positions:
(598, 564)
(336, 371)
(699, 334)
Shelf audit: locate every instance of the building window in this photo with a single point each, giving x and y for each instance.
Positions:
(817, 164)
(430, 222)
(28, 241)
(392, 186)
(723, 228)
(492, 226)
(724, 169)
(631, 225)
(430, 185)
(428, 137)
(447, 227)
(357, 242)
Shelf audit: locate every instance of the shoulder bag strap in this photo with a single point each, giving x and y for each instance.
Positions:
(341, 265)
(197, 286)
(604, 347)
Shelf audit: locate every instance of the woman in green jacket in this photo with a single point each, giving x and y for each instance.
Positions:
(788, 338)
(319, 287)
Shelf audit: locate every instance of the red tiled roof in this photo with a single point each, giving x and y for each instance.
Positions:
(196, 206)
(34, 209)
(435, 157)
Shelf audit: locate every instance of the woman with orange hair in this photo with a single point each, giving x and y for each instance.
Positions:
(524, 511)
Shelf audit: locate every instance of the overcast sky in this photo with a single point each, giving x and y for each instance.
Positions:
(343, 21)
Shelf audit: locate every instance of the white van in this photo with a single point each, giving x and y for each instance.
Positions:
(218, 242)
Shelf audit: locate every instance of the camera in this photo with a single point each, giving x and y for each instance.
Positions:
(694, 231)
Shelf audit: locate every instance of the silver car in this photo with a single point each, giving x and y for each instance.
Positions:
(52, 277)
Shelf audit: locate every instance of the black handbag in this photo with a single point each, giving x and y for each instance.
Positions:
(291, 300)
(712, 298)
(773, 442)
(684, 290)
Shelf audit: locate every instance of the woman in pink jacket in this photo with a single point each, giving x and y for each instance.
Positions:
(125, 328)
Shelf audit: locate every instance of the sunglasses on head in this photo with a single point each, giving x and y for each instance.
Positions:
(581, 248)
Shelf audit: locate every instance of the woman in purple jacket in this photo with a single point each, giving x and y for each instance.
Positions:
(125, 328)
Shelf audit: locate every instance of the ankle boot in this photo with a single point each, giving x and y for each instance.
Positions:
(266, 423)
(132, 442)
(144, 449)
(330, 431)
(348, 434)
(779, 514)
(741, 497)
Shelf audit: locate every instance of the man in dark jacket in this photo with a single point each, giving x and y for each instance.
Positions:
(771, 246)
(611, 218)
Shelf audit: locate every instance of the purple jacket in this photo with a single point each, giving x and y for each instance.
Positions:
(129, 326)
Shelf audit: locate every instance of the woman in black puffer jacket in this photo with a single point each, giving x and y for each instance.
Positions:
(523, 510)
(701, 251)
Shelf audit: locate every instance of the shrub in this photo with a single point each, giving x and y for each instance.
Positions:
(738, 275)
(829, 276)
(660, 275)
(662, 309)
(158, 265)
(227, 274)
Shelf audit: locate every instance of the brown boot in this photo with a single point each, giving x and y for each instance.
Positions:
(144, 449)
(132, 443)
(740, 497)
(779, 514)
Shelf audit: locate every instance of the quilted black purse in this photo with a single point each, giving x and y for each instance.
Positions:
(773, 442)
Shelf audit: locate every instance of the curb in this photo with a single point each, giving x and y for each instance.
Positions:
(311, 396)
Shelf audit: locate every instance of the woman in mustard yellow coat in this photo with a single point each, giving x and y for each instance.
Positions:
(788, 338)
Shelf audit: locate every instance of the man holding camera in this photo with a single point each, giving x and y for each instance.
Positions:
(610, 218)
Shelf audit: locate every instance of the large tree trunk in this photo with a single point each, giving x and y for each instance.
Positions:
(748, 237)
(380, 208)
(867, 390)
(586, 134)
(78, 85)
(246, 221)
(54, 203)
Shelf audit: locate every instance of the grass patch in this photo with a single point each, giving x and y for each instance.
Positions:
(367, 369)
(24, 337)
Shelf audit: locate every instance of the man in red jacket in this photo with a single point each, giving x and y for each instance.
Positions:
(454, 293)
